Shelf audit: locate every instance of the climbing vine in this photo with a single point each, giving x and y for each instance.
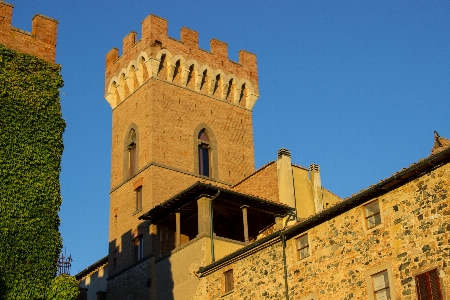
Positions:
(31, 128)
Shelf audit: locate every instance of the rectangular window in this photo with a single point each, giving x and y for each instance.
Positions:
(139, 247)
(380, 283)
(229, 281)
(138, 193)
(372, 214)
(429, 286)
(302, 246)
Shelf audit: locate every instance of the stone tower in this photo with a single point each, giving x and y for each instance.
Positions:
(180, 115)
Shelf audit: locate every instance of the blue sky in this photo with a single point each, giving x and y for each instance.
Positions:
(357, 87)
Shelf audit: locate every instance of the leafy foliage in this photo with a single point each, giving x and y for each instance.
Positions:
(31, 128)
(63, 287)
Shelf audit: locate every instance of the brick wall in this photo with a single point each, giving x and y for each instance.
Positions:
(155, 36)
(41, 42)
(263, 183)
(167, 117)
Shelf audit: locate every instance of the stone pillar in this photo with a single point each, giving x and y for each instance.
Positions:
(152, 65)
(224, 91)
(170, 71)
(244, 218)
(212, 85)
(203, 203)
(237, 95)
(184, 77)
(178, 230)
(198, 82)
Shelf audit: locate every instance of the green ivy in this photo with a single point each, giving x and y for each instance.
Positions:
(31, 128)
(63, 287)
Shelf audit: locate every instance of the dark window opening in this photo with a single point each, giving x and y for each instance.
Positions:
(429, 286)
(132, 153)
(204, 154)
(203, 160)
(138, 193)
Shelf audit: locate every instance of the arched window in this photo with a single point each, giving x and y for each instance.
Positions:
(132, 153)
(204, 155)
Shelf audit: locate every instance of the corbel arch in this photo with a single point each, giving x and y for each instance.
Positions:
(248, 93)
(219, 84)
(229, 95)
(206, 79)
(143, 67)
(122, 85)
(193, 72)
(179, 69)
(143, 72)
(164, 72)
(132, 80)
(112, 96)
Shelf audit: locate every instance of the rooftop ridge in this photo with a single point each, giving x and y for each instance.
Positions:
(41, 42)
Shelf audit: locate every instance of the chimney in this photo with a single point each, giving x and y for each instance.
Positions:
(285, 178)
(314, 175)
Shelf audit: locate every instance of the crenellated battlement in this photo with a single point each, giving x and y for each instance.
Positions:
(41, 42)
(180, 62)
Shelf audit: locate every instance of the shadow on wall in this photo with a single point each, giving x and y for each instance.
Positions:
(132, 269)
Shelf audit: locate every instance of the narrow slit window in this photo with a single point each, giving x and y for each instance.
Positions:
(138, 193)
(132, 153)
(203, 154)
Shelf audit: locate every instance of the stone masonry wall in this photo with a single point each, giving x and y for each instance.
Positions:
(256, 276)
(413, 237)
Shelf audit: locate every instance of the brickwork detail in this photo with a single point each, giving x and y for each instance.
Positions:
(263, 183)
(182, 63)
(167, 91)
(41, 42)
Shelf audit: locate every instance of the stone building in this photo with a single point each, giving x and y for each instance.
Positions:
(190, 218)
